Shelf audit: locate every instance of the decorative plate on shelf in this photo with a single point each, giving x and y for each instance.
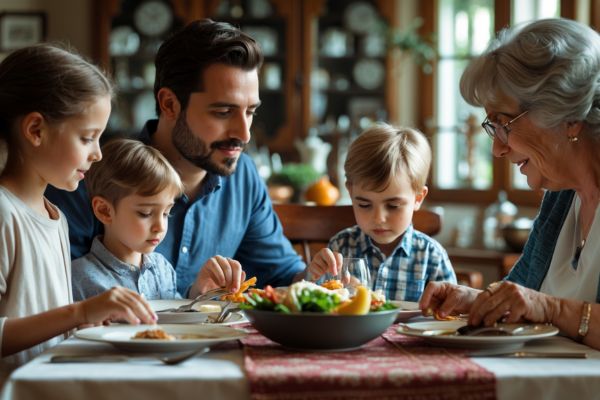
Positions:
(153, 18)
(368, 73)
(123, 41)
(361, 17)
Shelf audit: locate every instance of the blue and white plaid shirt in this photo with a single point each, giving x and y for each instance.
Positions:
(416, 260)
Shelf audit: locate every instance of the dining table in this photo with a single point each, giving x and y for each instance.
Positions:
(392, 366)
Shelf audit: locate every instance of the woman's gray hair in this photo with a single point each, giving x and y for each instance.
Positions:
(550, 66)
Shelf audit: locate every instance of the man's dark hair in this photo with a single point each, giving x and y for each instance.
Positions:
(185, 55)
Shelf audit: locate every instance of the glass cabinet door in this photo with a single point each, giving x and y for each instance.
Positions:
(347, 63)
(136, 30)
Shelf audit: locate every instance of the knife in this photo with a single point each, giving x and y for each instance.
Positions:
(528, 354)
(77, 358)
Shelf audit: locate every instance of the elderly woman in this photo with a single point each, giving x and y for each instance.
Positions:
(540, 87)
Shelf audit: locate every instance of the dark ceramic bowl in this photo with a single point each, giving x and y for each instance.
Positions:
(516, 234)
(318, 331)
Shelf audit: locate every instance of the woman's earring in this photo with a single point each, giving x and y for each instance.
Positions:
(573, 139)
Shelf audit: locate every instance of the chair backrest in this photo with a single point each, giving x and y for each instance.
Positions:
(309, 228)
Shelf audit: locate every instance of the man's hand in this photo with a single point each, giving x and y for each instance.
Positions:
(218, 271)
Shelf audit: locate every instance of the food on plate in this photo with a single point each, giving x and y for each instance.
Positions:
(360, 304)
(435, 314)
(305, 296)
(209, 308)
(332, 284)
(238, 297)
(153, 334)
(160, 334)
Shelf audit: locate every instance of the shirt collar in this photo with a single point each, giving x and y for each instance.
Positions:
(109, 260)
(405, 244)
(406, 241)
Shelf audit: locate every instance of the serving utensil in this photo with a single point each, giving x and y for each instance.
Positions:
(225, 313)
(209, 295)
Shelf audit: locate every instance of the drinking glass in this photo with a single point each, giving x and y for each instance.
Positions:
(355, 273)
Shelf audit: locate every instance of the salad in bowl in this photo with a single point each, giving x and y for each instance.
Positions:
(308, 316)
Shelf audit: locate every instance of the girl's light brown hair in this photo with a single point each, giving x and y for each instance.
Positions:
(130, 167)
(383, 152)
(49, 79)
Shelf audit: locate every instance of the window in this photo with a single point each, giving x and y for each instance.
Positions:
(464, 169)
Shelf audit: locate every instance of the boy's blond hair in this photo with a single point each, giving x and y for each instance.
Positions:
(382, 152)
(130, 167)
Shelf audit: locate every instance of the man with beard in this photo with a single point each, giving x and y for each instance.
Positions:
(206, 92)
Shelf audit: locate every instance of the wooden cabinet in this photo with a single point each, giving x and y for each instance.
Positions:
(326, 61)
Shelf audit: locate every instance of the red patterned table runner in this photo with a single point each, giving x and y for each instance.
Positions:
(400, 368)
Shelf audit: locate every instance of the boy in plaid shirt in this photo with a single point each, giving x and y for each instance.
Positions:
(386, 170)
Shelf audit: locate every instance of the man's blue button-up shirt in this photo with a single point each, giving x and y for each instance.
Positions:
(231, 216)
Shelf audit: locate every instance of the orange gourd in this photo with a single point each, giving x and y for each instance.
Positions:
(322, 192)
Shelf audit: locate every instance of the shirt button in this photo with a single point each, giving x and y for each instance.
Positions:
(184, 249)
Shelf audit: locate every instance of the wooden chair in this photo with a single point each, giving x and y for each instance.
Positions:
(309, 228)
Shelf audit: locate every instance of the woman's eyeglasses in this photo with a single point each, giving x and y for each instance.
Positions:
(495, 130)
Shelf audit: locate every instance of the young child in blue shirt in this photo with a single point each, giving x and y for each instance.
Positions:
(386, 171)
(132, 190)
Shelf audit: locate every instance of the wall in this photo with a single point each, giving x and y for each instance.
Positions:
(68, 21)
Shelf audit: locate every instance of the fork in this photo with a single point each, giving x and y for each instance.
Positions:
(211, 294)
(174, 359)
(228, 309)
(223, 314)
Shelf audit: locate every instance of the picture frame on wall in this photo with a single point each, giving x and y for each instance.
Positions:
(20, 29)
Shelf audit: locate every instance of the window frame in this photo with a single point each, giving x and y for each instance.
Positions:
(502, 169)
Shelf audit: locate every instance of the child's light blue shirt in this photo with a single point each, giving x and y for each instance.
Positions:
(416, 260)
(100, 270)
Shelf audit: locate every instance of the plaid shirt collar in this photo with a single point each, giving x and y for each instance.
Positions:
(368, 247)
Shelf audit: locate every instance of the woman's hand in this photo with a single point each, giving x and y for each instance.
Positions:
(446, 298)
(325, 261)
(118, 303)
(219, 271)
(510, 303)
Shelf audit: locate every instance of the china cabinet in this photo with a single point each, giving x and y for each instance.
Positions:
(129, 34)
(326, 64)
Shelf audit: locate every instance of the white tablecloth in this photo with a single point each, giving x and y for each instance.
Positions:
(220, 375)
(217, 375)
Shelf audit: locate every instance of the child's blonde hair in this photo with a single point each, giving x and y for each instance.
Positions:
(130, 167)
(382, 152)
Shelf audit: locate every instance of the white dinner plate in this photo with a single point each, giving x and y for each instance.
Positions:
(190, 317)
(530, 332)
(407, 310)
(121, 336)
